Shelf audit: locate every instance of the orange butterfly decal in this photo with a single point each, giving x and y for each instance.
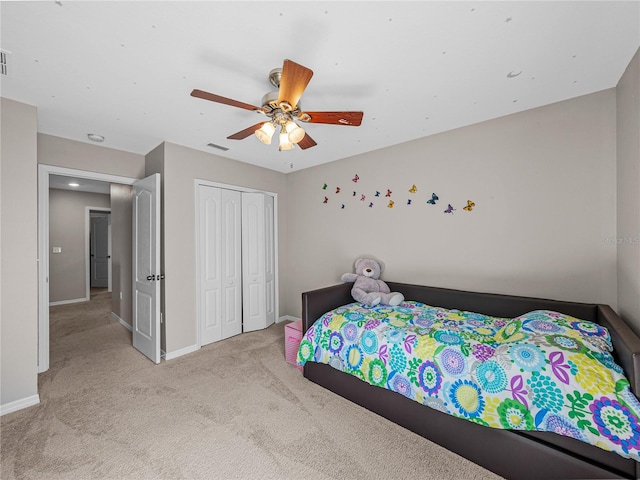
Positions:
(469, 206)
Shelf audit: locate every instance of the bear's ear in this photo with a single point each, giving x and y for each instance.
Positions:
(381, 263)
(358, 263)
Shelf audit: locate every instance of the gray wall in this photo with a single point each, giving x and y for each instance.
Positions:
(628, 234)
(121, 274)
(61, 152)
(67, 215)
(544, 185)
(19, 252)
(181, 167)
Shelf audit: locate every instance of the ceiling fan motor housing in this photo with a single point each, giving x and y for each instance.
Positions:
(275, 76)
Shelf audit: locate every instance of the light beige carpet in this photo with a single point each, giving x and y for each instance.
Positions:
(232, 410)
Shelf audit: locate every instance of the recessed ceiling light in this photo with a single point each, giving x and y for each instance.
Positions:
(73, 184)
(94, 137)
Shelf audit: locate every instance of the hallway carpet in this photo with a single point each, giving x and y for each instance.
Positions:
(232, 410)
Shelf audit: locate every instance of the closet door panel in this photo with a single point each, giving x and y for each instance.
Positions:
(210, 304)
(253, 262)
(220, 308)
(232, 263)
(269, 260)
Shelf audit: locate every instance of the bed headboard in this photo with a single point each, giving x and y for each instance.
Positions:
(626, 343)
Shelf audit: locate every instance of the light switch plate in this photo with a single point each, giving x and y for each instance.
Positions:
(57, 249)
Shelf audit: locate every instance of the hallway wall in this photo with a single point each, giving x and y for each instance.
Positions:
(67, 270)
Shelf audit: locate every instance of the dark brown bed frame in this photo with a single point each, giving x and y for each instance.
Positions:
(509, 453)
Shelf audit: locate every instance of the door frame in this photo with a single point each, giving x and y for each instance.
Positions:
(44, 171)
(199, 182)
(87, 247)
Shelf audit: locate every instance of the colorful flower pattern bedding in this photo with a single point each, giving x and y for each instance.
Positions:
(541, 371)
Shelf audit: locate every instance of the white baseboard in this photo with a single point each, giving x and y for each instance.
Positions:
(287, 318)
(122, 322)
(19, 404)
(181, 352)
(65, 302)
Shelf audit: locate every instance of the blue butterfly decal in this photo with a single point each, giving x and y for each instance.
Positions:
(434, 199)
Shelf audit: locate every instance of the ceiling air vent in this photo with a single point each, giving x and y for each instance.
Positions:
(219, 147)
(4, 62)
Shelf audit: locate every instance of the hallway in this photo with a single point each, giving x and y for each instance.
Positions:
(85, 328)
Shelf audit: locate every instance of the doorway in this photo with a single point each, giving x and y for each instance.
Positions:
(44, 174)
(98, 249)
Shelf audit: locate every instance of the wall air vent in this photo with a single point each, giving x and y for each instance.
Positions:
(4, 62)
(219, 147)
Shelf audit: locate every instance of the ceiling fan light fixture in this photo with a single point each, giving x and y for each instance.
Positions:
(285, 143)
(265, 132)
(295, 132)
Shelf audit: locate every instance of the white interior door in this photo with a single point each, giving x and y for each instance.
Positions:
(146, 266)
(220, 271)
(257, 274)
(99, 259)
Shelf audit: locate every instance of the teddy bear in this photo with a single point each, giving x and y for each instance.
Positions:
(368, 289)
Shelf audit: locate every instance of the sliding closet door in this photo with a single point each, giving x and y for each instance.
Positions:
(257, 262)
(220, 298)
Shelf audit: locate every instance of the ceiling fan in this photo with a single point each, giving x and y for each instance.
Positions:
(283, 109)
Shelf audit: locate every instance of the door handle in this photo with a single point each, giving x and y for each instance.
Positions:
(151, 278)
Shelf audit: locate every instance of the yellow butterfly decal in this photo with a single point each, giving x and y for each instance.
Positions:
(469, 206)
(391, 202)
(413, 189)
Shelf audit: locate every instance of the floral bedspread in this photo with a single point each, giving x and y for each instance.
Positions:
(541, 371)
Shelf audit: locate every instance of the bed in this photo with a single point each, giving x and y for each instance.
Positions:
(509, 453)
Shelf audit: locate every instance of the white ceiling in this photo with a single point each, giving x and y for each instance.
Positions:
(125, 70)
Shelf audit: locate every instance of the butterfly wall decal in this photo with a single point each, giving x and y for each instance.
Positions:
(326, 200)
(356, 178)
(469, 206)
(391, 202)
(324, 187)
(413, 189)
(433, 200)
(388, 193)
(337, 189)
(449, 209)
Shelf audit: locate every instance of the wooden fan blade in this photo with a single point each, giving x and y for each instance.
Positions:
(306, 142)
(293, 81)
(242, 134)
(218, 99)
(334, 118)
